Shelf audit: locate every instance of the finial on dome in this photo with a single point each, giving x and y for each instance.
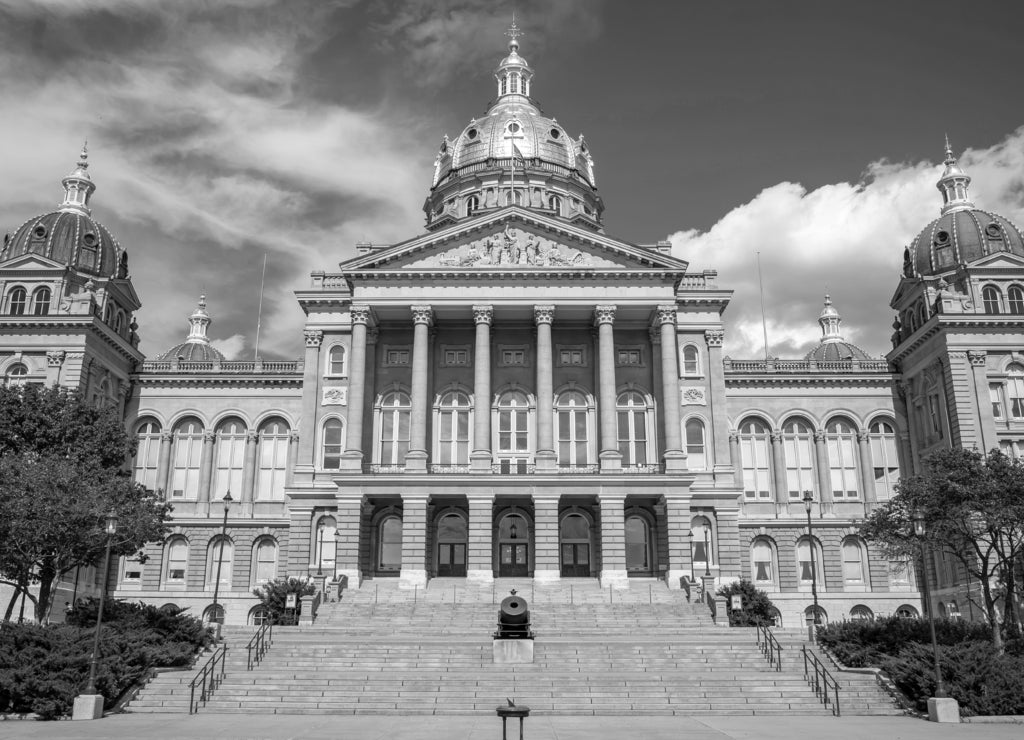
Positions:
(953, 184)
(513, 34)
(949, 153)
(78, 186)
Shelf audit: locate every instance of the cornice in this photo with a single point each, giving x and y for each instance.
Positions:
(938, 322)
(804, 380)
(216, 379)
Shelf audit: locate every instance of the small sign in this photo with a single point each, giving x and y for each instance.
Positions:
(737, 602)
(289, 601)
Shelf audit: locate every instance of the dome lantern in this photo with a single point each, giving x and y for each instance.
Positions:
(829, 319)
(78, 186)
(197, 346)
(513, 75)
(832, 347)
(953, 184)
(199, 322)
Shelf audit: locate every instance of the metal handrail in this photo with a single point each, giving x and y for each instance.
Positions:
(259, 644)
(208, 679)
(770, 647)
(822, 682)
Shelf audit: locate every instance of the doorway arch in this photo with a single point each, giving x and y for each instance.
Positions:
(575, 545)
(452, 534)
(639, 544)
(513, 545)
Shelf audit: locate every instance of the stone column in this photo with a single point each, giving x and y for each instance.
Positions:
(604, 317)
(480, 551)
(734, 455)
(680, 556)
(416, 457)
(163, 462)
(480, 458)
(779, 471)
(675, 456)
(546, 567)
(414, 541)
(252, 440)
(867, 473)
(716, 400)
(346, 559)
(986, 422)
(310, 392)
(206, 465)
(613, 541)
(824, 472)
(54, 361)
(352, 460)
(545, 459)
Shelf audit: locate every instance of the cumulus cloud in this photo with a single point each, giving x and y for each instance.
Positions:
(231, 347)
(845, 239)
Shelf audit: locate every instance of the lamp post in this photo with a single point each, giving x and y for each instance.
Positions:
(214, 617)
(919, 530)
(808, 501)
(111, 528)
(707, 553)
(320, 549)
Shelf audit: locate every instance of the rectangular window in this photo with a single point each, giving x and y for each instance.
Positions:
(799, 455)
(629, 357)
(397, 357)
(512, 357)
(934, 415)
(571, 356)
(995, 396)
(455, 356)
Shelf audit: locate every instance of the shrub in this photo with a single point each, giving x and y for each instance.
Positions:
(757, 607)
(272, 594)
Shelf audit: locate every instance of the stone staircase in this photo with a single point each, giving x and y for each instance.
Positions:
(382, 650)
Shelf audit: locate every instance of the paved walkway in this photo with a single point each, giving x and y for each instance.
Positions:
(303, 727)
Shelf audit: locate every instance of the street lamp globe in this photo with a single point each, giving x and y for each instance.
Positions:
(111, 525)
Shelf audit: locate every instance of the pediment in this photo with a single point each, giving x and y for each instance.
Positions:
(31, 262)
(998, 260)
(516, 241)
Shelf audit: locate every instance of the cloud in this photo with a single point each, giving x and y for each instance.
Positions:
(231, 347)
(846, 239)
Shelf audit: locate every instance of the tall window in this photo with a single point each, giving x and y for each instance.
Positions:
(990, 297)
(1015, 296)
(393, 436)
(853, 562)
(389, 544)
(803, 562)
(336, 360)
(798, 449)
(995, 397)
(41, 302)
(762, 558)
(16, 375)
(754, 456)
(453, 429)
(177, 562)
(219, 556)
(17, 302)
(334, 434)
(148, 454)
(472, 205)
(572, 415)
(638, 550)
(632, 415)
(555, 204)
(841, 443)
(326, 544)
(513, 431)
(884, 459)
(264, 560)
(186, 456)
(696, 450)
(702, 542)
(1015, 390)
(230, 458)
(271, 460)
(691, 360)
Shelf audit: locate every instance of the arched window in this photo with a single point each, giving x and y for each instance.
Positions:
(17, 301)
(513, 83)
(260, 615)
(906, 611)
(188, 450)
(702, 544)
(147, 455)
(272, 460)
(811, 618)
(176, 560)
(798, 450)
(691, 360)
(41, 302)
(696, 452)
(513, 430)
(1015, 390)
(219, 556)
(638, 544)
(332, 448)
(230, 458)
(884, 459)
(806, 574)
(1015, 297)
(325, 546)
(633, 413)
(389, 544)
(762, 557)
(504, 84)
(555, 204)
(841, 443)
(264, 559)
(214, 613)
(336, 361)
(453, 414)
(17, 375)
(472, 205)
(393, 429)
(990, 296)
(861, 613)
(854, 562)
(754, 456)
(572, 419)
(118, 322)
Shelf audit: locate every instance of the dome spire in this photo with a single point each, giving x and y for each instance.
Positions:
(78, 186)
(199, 321)
(513, 74)
(829, 319)
(953, 184)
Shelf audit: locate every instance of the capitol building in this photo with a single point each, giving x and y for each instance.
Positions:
(514, 393)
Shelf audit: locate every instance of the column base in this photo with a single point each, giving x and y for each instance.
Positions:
(351, 462)
(88, 706)
(542, 577)
(545, 461)
(409, 579)
(480, 577)
(617, 579)
(480, 461)
(416, 461)
(675, 461)
(939, 710)
(611, 461)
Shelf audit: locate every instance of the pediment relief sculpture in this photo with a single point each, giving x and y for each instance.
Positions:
(513, 247)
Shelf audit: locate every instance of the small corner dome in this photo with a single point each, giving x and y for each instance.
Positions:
(837, 351)
(71, 238)
(960, 237)
(192, 352)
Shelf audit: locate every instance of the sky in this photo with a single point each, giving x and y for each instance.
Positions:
(809, 133)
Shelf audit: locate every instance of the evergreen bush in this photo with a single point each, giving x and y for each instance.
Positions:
(757, 607)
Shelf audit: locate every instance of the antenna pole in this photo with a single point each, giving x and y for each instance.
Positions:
(259, 311)
(764, 323)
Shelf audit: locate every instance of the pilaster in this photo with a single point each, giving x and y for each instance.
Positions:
(414, 542)
(352, 460)
(479, 556)
(546, 567)
(716, 401)
(677, 522)
(252, 440)
(206, 466)
(310, 394)
(613, 541)
(349, 518)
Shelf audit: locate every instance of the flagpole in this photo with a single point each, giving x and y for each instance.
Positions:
(764, 323)
(259, 311)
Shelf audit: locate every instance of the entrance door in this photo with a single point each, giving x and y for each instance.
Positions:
(451, 545)
(638, 546)
(513, 546)
(575, 546)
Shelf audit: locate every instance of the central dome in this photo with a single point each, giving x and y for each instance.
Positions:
(514, 155)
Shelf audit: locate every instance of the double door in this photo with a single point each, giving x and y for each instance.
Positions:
(575, 559)
(451, 559)
(514, 561)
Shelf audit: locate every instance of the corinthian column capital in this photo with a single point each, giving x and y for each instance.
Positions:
(664, 315)
(604, 315)
(543, 314)
(422, 315)
(360, 314)
(483, 314)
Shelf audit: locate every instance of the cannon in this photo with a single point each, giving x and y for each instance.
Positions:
(514, 619)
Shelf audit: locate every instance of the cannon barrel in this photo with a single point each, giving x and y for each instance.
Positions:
(513, 611)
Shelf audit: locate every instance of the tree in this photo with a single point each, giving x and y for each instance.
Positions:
(973, 508)
(757, 607)
(62, 469)
(273, 593)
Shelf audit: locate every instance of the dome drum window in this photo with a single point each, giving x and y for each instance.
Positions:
(471, 134)
(90, 239)
(992, 231)
(942, 237)
(39, 232)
